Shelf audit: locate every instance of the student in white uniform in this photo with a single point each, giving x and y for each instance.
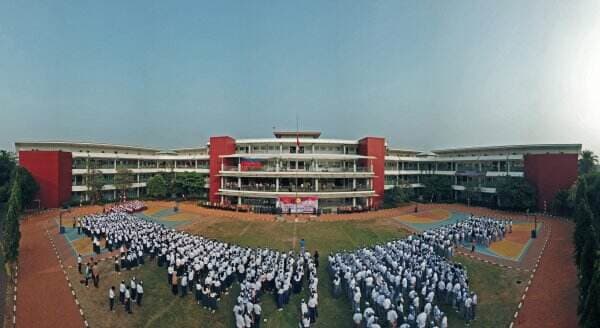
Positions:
(111, 299)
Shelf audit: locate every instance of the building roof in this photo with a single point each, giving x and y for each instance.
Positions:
(290, 134)
(573, 147)
(85, 144)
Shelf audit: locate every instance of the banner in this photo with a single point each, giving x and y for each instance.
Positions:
(298, 205)
(250, 164)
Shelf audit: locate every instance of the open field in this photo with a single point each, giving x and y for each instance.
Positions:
(497, 287)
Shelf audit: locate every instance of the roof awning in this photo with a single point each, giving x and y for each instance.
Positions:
(300, 156)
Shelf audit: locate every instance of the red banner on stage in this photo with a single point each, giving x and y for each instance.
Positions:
(298, 205)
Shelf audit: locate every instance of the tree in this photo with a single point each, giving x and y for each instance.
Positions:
(396, 196)
(515, 193)
(471, 188)
(94, 182)
(7, 167)
(190, 184)
(436, 187)
(587, 162)
(583, 218)
(563, 204)
(29, 186)
(12, 235)
(586, 264)
(593, 196)
(123, 180)
(587, 248)
(590, 309)
(156, 187)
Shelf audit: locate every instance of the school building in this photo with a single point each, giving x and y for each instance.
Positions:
(296, 171)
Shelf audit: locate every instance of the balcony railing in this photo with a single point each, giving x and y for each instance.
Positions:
(273, 188)
(234, 168)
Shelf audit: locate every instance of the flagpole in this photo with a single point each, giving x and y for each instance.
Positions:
(297, 151)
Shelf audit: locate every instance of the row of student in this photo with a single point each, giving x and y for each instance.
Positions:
(404, 283)
(208, 266)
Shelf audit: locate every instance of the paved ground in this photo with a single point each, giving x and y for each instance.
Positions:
(552, 297)
(44, 298)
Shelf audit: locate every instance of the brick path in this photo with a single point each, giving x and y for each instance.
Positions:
(44, 298)
(552, 298)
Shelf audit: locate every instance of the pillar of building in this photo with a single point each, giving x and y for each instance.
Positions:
(219, 146)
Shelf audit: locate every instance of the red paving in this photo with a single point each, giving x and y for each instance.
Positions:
(552, 298)
(44, 299)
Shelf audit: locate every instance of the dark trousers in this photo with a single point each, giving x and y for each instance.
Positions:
(111, 303)
(121, 297)
(128, 305)
(139, 299)
(79, 267)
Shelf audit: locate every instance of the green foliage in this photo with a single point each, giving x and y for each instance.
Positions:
(587, 248)
(587, 162)
(12, 234)
(7, 167)
(563, 204)
(29, 186)
(396, 196)
(583, 219)
(590, 316)
(156, 187)
(189, 184)
(437, 187)
(592, 194)
(587, 262)
(123, 180)
(515, 194)
(16, 194)
(94, 182)
(471, 189)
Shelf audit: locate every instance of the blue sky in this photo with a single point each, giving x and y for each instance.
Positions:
(424, 74)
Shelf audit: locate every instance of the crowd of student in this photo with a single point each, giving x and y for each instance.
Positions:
(205, 268)
(127, 207)
(403, 283)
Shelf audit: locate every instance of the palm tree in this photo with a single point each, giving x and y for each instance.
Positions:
(587, 162)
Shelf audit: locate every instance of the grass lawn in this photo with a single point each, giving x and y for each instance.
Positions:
(496, 288)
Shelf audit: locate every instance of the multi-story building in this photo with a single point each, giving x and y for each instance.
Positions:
(298, 170)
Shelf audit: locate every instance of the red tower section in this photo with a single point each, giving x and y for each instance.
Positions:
(549, 173)
(375, 147)
(52, 171)
(218, 146)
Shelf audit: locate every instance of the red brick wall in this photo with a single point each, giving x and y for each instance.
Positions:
(52, 171)
(218, 146)
(549, 173)
(374, 146)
